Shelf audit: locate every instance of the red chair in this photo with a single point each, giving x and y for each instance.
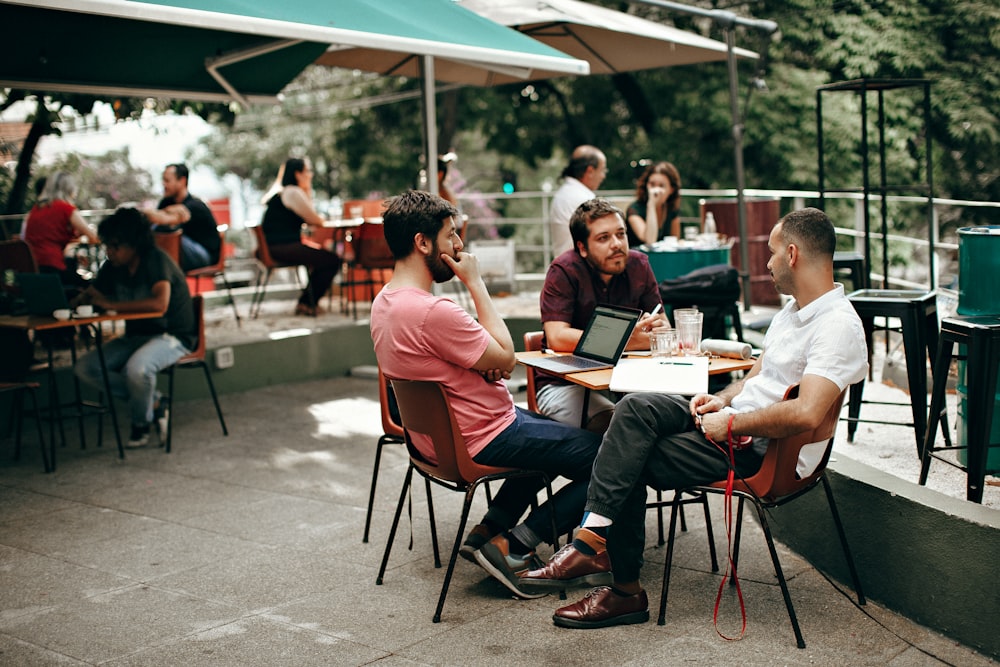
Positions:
(17, 416)
(776, 483)
(424, 408)
(269, 264)
(371, 255)
(392, 434)
(170, 243)
(194, 359)
(217, 269)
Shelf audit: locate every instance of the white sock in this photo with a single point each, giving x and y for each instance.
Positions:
(592, 520)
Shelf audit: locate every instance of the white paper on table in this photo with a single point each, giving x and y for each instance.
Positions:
(664, 375)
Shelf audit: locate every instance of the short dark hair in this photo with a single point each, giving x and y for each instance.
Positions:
(293, 165)
(411, 213)
(180, 169)
(127, 226)
(811, 230)
(586, 213)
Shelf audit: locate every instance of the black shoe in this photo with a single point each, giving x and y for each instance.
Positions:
(475, 540)
(139, 436)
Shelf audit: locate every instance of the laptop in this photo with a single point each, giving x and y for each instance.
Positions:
(601, 344)
(42, 293)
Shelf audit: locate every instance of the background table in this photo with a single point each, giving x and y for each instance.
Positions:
(669, 264)
(47, 323)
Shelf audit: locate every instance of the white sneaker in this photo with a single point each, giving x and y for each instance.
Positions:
(139, 437)
(162, 424)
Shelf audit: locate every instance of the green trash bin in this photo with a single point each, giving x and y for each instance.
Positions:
(978, 294)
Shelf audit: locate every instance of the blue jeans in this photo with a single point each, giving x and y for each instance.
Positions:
(534, 442)
(133, 362)
(193, 254)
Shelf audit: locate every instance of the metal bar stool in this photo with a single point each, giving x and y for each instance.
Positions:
(981, 336)
(917, 312)
(854, 264)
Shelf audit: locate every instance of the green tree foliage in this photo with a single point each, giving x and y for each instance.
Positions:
(105, 181)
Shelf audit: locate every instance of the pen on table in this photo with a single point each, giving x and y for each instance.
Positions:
(677, 363)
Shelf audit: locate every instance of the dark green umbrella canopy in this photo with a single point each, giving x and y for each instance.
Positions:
(170, 48)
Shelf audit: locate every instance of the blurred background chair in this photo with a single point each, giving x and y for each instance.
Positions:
(16, 421)
(194, 359)
(217, 269)
(372, 259)
(264, 257)
(170, 243)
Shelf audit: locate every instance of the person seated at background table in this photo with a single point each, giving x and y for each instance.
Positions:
(289, 206)
(656, 209)
(585, 172)
(420, 336)
(52, 224)
(599, 269)
(138, 277)
(816, 341)
(200, 242)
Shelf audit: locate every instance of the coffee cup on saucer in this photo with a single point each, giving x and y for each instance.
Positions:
(62, 314)
(85, 311)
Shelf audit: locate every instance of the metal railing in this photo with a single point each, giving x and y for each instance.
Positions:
(524, 216)
(530, 225)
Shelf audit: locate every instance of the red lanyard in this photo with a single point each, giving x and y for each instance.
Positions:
(733, 446)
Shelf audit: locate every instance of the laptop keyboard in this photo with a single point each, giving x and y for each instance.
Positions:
(581, 362)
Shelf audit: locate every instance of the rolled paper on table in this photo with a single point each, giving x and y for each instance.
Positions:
(731, 349)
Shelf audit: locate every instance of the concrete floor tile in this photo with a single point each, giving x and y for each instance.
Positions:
(255, 641)
(32, 582)
(16, 652)
(118, 623)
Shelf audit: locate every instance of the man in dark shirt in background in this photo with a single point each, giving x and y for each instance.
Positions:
(200, 244)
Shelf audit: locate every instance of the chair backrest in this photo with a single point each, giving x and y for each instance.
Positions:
(777, 477)
(198, 353)
(424, 409)
(363, 208)
(170, 243)
(263, 252)
(16, 255)
(371, 250)
(389, 424)
(532, 343)
(219, 266)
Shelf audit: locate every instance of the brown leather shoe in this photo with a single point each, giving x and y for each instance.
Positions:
(602, 608)
(569, 567)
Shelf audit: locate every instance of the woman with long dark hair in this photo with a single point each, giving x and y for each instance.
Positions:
(288, 208)
(656, 209)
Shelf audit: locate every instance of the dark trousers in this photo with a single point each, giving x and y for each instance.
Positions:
(323, 266)
(534, 442)
(652, 441)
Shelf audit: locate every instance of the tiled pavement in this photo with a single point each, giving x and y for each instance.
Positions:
(246, 550)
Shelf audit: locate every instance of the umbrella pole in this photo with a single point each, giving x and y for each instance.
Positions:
(430, 122)
(734, 107)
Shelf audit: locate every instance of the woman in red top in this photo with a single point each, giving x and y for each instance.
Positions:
(52, 224)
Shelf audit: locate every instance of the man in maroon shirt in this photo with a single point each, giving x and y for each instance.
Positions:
(599, 269)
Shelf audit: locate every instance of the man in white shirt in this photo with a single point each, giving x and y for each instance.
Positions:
(663, 441)
(582, 176)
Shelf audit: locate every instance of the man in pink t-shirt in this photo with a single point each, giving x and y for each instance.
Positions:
(419, 336)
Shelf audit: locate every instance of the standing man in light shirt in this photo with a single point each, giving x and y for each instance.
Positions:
(582, 176)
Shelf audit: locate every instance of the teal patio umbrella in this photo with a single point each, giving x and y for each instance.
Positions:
(244, 50)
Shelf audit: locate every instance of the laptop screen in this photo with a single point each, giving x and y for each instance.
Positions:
(607, 333)
(42, 293)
